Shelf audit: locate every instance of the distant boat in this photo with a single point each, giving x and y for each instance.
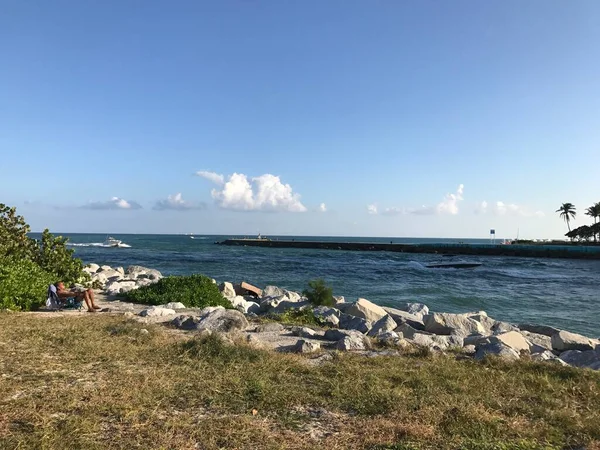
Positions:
(453, 265)
(112, 242)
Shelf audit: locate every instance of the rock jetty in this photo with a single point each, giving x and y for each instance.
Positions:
(359, 326)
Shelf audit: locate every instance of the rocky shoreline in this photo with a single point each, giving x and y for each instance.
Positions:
(359, 326)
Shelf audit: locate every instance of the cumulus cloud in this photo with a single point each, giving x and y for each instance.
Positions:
(322, 207)
(447, 206)
(113, 203)
(501, 208)
(263, 193)
(176, 202)
(211, 176)
(450, 203)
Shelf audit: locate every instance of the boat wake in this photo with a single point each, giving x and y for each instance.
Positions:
(98, 244)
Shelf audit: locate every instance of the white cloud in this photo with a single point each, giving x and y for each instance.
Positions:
(450, 203)
(372, 209)
(507, 209)
(448, 206)
(113, 203)
(211, 176)
(263, 193)
(177, 202)
(322, 207)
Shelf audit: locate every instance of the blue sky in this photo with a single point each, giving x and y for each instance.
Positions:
(337, 117)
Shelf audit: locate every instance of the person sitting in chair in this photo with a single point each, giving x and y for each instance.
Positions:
(86, 294)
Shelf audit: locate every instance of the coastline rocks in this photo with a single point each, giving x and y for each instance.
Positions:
(496, 349)
(383, 325)
(512, 339)
(270, 327)
(577, 358)
(401, 316)
(447, 323)
(136, 272)
(348, 322)
(248, 289)
(174, 305)
(119, 287)
(389, 338)
(352, 342)
(339, 299)
(537, 342)
(245, 306)
(538, 329)
(407, 331)
(223, 321)
(365, 309)
(563, 340)
(416, 309)
(273, 291)
(328, 315)
(303, 346)
(227, 290)
(91, 268)
(336, 335)
(286, 305)
(303, 332)
(435, 342)
(157, 311)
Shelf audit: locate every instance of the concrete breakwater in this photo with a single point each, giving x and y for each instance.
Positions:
(520, 250)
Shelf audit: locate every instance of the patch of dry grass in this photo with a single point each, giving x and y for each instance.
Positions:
(100, 382)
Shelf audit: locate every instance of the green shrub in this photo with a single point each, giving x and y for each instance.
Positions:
(50, 253)
(193, 291)
(319, 293)
(23, 284)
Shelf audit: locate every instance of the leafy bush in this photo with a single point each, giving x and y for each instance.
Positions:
(23, 284)
(296, 317)
(319, 293)
(193, 290)
(50, 253)
(28, 265)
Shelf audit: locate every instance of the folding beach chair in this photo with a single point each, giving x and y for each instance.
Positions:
(55, 303)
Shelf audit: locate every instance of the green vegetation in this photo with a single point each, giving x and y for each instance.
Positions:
(319, 293)
(193, 291)
(295, 317)
(29, 265)
(585, 232)
(119, 387)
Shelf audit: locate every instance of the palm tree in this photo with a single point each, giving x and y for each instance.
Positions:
(594, 211)
(567, 211)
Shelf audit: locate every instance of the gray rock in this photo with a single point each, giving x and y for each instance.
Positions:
(157, 311)
(470, 349)
(348, 322)
(174, 305)
(273, 291)
(383, 325)
(227, 290)
(209, 310)
(405, 317)
(303, 346)
(580, 359)
(512, 339)
(446, 324)
(105, 267)
(407, 331)
(496, 349)
(476, 340)
(547, 355)
(244, 305)
(417, 309)
(352, 342)
(435, 342)
(303, 332)
(270, 327)
(327, 315)
(563, 340)
(286, 305)
(185, 322)
(339, 299)
(538, 329)
(537, 342)
(143, 272)
(389, 338)
(254, 341)
(223, 321)
(502, 327)
(365, 309)
(91, 268)
(336, 335)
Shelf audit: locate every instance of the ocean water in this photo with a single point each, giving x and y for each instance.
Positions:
(558, 292)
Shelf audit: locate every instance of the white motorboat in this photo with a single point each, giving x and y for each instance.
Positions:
(112, 242)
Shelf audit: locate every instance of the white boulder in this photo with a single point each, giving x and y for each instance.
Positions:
(119, 287)
(564, 340)
(174, 305)
(91, 268)
(383, 325)
(245, 306)
(327, 315)
(365, 309)
(496, 349)
(512, 339)
(227, 290)
(577, 358)
(157, 311)
(303, 346)
(351, 342)
(446, 323)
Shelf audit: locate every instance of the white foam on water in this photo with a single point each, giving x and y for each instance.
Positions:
(96, 244)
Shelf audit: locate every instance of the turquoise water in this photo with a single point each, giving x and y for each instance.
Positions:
(559, 292)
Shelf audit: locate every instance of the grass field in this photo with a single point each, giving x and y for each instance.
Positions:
(100, 382)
